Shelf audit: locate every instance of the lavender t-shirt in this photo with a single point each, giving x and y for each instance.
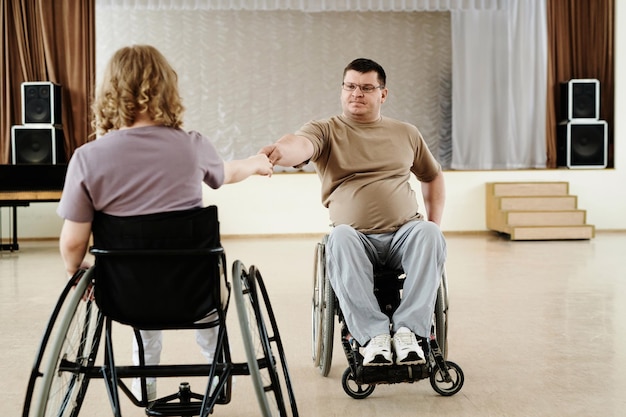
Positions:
(138, 171)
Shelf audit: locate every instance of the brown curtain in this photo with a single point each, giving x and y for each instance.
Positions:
(580, 45)
(44, 40)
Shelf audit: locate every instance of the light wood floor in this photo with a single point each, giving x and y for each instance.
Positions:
(539, 329)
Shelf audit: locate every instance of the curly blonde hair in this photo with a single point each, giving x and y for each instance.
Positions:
(137, 79)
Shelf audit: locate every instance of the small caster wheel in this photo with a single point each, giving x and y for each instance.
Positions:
(450, 385)
(352, 388)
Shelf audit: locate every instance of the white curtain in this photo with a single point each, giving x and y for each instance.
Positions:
(499, 80)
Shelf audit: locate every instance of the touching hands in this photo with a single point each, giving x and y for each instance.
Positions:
(272, 151)
(240, 169)
(261, 165)
(289, 151)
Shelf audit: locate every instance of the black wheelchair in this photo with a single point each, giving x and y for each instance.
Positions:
(359, 381)
(176, 262)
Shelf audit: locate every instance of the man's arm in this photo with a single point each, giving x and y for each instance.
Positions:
(73, 244)
(288, 151)
(434, 193)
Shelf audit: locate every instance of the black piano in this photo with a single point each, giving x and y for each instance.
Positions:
(22, 184)
(32, 177)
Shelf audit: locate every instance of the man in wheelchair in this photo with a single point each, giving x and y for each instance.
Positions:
(365, 161)
(144, 163)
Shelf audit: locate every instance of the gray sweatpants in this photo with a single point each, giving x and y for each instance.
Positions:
(418, 248)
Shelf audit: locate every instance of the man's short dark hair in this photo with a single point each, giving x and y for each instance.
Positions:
(364, 65)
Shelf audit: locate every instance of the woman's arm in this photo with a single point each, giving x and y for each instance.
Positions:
(73, 244)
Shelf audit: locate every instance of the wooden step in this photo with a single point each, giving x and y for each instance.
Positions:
(583, 232)
(500, 189)
(548, 202)
(546, 218)
(535, 211)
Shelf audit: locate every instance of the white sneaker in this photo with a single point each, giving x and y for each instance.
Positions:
(408, 351)
(378, 351)
(151, 389)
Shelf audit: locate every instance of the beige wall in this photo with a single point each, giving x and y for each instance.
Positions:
(289, 203)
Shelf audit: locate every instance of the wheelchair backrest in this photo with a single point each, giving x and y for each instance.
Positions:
(158, 271)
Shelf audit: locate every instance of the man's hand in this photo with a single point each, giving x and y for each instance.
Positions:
(290, 150)
(272, 152)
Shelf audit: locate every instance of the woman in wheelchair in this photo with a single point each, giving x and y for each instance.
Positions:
(143, 163)
(365, 162)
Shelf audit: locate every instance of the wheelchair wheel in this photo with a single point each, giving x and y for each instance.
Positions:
(64, 384)
(323, 314)
(353, 389)
(260, 340)
(441, 316)
(450, 384)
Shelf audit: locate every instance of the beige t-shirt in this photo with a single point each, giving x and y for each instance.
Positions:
(365, 170)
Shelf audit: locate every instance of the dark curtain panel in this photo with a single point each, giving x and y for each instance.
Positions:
(45, 40)
(580, 37)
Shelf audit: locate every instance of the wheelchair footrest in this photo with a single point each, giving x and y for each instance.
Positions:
(185, 402)
(391, 374)
(174, 409)
(191, 408)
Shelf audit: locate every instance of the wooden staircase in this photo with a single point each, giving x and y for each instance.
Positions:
(536, 211)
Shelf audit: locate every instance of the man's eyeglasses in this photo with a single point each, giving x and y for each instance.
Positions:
(365, 88)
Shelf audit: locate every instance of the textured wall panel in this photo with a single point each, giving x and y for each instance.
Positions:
(311, 5)
(247, 77)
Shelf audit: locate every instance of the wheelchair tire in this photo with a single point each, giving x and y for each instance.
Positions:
(75, 345)
(253, 311)
(441, 316)
(353, 389)
(323, 314)
(36, 372)
(452, 385)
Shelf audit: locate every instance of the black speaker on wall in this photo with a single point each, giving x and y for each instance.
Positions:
(580, 99)
(37, 145)
(582, 144)
(41, 103)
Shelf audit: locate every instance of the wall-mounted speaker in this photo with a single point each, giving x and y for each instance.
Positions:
(582, 144)
(41, 103)
(37, 145)
(580, 99)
